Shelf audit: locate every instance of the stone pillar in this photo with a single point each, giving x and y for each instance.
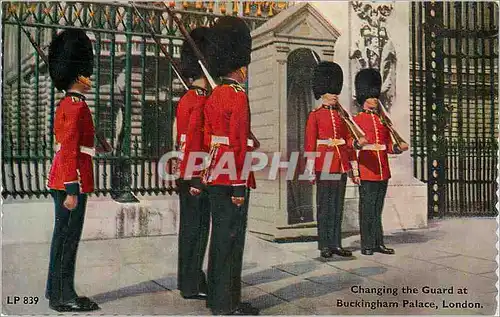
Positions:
(406, 203)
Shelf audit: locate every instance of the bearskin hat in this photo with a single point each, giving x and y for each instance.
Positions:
(327, 78)
(189, 62)
(368, 83)
(233, 45)
(70, 56)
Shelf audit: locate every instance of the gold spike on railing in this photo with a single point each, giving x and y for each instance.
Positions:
(210, 6)
(199, 4)
(247, 8)
(12, 8)
(259, 9)
(185, 4)
(222, 8)
(235, 7)
(281, 5)
(271, 7)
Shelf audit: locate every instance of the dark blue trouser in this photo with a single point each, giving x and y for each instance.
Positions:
(193, 239)
(227, 243)
(68, 227)
(371, 204)
(330, 196)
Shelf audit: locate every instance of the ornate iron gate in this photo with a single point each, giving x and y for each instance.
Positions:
(454, 74)
(134, 95)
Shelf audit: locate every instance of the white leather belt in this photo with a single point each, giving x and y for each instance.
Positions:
(330, 142)
(224, 140)
(183, 138)
(83, 149)
(374, 147)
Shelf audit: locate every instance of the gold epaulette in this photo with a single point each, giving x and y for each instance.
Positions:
(237, 88)
(200, 92)
(75, 99)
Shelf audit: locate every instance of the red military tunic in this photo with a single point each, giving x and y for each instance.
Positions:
(72, 168)
(326, 131)
(227, 125)
(372, 158)
(190, 128)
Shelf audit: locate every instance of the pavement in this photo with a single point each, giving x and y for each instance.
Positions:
(451, 263)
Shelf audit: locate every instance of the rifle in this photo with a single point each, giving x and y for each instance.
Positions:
(173, 64)
(201, 60)
(351, 124)
(101, 139)
(353, 128)
(196, 50)
(395, 135)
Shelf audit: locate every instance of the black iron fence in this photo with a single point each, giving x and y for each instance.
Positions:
(134, 93)
(454, 100)
(471, 172)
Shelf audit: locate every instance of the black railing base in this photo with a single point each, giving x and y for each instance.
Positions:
(127, 197)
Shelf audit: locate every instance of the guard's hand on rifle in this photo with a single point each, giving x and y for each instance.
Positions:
(404, 146)
(362, 141)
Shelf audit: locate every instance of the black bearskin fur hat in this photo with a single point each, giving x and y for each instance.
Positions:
(189, 62)
(327, 78)
(70, 56)
(233, 45)
(368, 83)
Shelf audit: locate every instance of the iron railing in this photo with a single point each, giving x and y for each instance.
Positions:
(454, 102)
(134, 93)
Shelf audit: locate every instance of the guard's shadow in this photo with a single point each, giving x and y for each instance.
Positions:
(313, 287)
(403, 237)
(147, 287)
(307, 288)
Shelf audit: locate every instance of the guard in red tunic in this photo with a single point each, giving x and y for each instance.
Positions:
(194, 204)
(71, 175)
(327, 134)
(227, 133)
(373, 162)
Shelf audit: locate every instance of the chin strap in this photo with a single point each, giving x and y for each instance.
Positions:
(85, 81)
(243, 73)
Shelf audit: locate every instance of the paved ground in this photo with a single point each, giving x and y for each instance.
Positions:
(138, 276)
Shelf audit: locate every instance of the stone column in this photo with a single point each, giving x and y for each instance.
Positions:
(406, 203)
(380, 37)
